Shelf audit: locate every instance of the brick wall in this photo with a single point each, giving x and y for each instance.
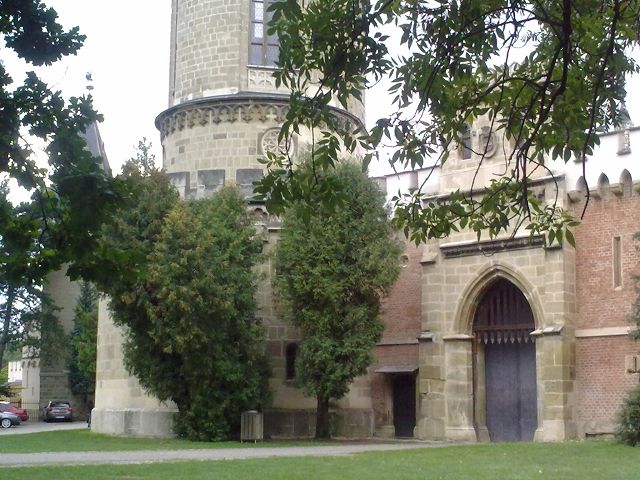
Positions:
(599, 303)
(602, 381)
(401, 314)
(401, 310)
(602, 308)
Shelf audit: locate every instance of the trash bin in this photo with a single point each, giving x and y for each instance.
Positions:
(251, 426)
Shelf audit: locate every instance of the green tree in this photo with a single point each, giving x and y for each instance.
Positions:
(24, 309)
(70, 198)
(127, 239)
(188, 310)
(628, 425)
(332, 269)
(200, 318)
(549, 75)
(5, 388)
(83, 343)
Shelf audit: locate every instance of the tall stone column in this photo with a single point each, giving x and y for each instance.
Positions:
(555, 360)
(431, 394)
(122, 407)
(458, 356)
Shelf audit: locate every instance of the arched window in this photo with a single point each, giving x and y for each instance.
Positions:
(466, 142)
(263, 48)
(291, 354)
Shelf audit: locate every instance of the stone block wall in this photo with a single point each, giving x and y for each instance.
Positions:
(454, 278)
(122, 407)
(53, 379)
(209, 45)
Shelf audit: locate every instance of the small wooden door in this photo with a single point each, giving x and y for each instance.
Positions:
(404, 405)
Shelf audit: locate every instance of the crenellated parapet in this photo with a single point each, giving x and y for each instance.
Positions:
(624, 187)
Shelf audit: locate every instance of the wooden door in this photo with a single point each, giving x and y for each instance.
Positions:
(511, 391)
(503, 322)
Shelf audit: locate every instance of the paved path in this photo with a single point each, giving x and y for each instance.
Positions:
(35, 426)
(141, 456)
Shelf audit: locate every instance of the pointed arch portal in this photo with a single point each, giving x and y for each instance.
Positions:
(502, 325)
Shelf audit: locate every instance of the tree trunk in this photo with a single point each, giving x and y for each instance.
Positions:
(6, 322)
(322, 418)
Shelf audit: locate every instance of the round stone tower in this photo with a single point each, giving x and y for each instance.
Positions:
(224, 113)
(224, 108)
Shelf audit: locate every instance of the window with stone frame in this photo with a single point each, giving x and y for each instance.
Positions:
(617, 262)
(291, 354)
(466, 142)
(263, 48)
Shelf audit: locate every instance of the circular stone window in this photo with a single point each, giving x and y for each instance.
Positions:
(269, 143)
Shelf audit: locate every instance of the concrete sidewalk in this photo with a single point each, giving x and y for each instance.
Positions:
(142, 456)
(35, 426)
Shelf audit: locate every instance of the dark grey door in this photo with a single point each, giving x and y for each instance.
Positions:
(404, 405)
(510, 370)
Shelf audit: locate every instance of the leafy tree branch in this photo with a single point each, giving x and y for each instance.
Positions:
(548, 75)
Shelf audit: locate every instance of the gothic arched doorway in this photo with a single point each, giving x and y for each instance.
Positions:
(502, 326)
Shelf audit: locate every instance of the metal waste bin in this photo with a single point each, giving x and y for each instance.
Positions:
(251, 426)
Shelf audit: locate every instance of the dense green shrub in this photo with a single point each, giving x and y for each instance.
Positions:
(333, 267)
(187, 303)
(83, 341)
(628, 429)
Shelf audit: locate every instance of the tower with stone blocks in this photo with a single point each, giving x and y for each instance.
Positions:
(48, 380)
(224, 112)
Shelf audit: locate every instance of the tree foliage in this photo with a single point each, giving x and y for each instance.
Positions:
(332, 269)
(5, 389)
(72, 196)
(189, 312)
(549, 75)
(83, 342)
(24, 309)
(628, 426)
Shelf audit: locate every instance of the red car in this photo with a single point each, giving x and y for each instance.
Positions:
(20, 412)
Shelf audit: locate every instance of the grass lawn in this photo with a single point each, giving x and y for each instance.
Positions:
(87, 441)
(563, 461)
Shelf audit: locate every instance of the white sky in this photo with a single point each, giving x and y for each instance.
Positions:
(127, 52)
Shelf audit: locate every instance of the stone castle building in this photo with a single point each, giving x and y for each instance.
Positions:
(501, 339)
(43, 381)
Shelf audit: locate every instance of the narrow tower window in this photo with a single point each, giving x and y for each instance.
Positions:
(617, 263)
(291, 353)
(263, 49)
(466, 142)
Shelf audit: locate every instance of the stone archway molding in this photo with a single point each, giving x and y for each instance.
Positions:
(473, 292)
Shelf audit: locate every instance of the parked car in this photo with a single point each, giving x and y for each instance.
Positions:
(7, 419)
(57, 410)
(20, 412)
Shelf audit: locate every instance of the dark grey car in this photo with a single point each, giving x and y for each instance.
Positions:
(7, 419)
(57, 410)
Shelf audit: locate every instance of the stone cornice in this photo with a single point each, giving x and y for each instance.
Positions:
(532, 182)
(243, 107)
(454, 250)
(385, 342)
(603, 332)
